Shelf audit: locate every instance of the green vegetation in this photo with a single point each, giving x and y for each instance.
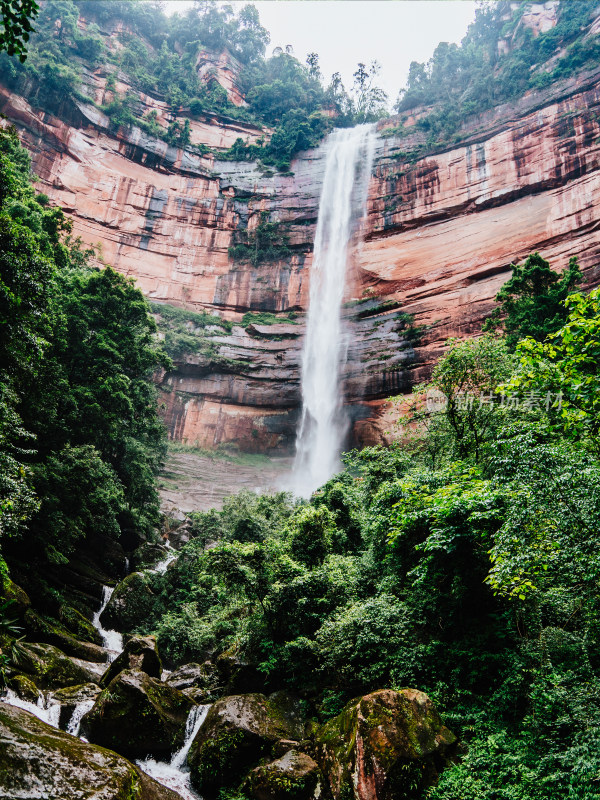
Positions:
(266, 318)
(262, 245)
(532, 302)
(187, 332)
(158, 55)
(16, 18)
(464, 562)
(498, 60)
(80, 440)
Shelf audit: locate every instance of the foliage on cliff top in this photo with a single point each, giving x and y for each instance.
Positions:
(80, 440)
(498, 60)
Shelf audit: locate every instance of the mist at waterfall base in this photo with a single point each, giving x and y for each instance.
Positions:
(324, 422)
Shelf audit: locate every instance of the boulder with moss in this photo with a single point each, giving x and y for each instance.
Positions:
(49, 667)
(385, 746)
(137, 715)
(24, 687)
(42, 630)
(140, 653)
(130, 605)
(148, 555)
(38, 762)
(294, 776)
(237, 733)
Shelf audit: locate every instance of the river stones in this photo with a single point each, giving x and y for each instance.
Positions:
(140, 653)
(137, 715)
(38, 762)
(130, 604)
(294, 776)
(237, 733)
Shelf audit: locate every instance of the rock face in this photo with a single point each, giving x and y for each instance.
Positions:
(442, 228)
(140, 653)
(49, 667)
(237, 732)
(137, 715)
(387, 746)
(38, 762)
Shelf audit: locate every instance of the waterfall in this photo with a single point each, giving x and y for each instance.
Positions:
(46, 710)
(174, 774)
(323, 423)
(79, 712)
(112, 640)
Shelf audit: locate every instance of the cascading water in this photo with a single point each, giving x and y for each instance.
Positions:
(175, 774)
(45, 709)
(112, 640)
(323, 423)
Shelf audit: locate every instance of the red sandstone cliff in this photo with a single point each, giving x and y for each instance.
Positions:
(441, 232)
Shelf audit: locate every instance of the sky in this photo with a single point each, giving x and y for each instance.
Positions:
(344, 32)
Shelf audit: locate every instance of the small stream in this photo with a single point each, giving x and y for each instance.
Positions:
(175, 774)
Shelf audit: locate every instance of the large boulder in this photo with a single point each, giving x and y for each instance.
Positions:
(294, 776)
(237, 733)
(38, 762)
(49, 667)
(386, 746)
(140, 653)
(130, 604)
(137, 715)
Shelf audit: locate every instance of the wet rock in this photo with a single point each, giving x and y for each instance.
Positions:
(130, 604)
(24, 687)
(49, 667)
(18, 598)
(38, 762)
(137, 715)
(73, 696)
(294, 776)
(148, 555)
(43, 631)
(387, 746)
(200, 676)
(238, 731)
(140, 653)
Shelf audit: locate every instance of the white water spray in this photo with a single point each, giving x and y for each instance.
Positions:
(46, 710)
(323, 423)
(175, 774)
(112, 640)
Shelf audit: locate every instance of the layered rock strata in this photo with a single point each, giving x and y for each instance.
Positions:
(441, 232)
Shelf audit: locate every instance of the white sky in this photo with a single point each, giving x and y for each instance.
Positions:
(344, 32)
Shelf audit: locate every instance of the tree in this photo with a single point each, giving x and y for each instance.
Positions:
(567, 367)
(532, 302)
(369, 98)
(16, 25)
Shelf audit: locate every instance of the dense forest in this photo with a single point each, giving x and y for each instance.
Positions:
(463, 561)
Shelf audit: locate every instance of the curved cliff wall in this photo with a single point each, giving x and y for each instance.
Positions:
(441, 231)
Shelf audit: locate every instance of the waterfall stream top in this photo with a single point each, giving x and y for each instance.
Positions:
(324, 423)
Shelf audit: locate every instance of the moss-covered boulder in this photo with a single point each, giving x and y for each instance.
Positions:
(24, 687)
(73, 696)
(294, 776)
(386, 746)
(78, 625)
(140, 653)
(137, 715)
(130, 604)
(43, 630)
(49, 667)
(237, 733)
(38, 762)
